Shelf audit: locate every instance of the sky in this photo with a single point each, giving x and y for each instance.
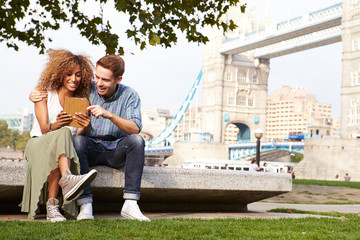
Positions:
(163, 77)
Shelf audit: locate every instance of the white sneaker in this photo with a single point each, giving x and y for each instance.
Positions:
(131, 210)
(52, 211)
(86, 212)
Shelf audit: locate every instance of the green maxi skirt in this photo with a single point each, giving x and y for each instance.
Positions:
(42, 154)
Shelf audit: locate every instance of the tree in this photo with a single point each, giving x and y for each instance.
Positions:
(22, 140)
(12, 139)
(5, 134)
(297, 157)
(152, 22)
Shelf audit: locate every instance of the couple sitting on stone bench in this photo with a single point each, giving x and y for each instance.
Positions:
(109, 136)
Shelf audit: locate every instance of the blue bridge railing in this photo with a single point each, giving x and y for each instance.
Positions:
(238, 151)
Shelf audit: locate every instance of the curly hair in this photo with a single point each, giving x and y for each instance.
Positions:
(60, 63)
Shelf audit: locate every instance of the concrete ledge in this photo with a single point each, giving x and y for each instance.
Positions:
(165, 189)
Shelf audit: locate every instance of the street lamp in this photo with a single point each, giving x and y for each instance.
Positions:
(258, 134)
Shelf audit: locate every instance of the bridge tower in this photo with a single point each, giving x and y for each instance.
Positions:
(350, 87)
(234, 86)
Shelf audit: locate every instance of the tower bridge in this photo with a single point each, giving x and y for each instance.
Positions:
(311, 30)
(236, 67)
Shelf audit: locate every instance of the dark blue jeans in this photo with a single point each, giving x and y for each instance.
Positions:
(129, 153)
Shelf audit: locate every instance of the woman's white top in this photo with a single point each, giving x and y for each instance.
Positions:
(54, 108)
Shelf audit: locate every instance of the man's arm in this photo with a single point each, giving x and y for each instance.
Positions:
(125, 125)
(37, 95)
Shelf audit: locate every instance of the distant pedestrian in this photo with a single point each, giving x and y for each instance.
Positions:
(347, 177)
(269, 168)
(254, 167)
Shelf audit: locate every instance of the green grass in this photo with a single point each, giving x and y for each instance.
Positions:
(310, 193)
(355, 185)
(330, 214)
(243, 228)
(328, 202)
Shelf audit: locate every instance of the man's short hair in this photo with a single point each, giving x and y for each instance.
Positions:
(114, 63)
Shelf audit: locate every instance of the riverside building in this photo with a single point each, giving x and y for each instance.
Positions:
(296, 110)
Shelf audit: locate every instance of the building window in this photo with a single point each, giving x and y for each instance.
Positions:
(228, 77)
(255, 79)
(241, 100)
(241, 77)
(250, 102)
(211, 77)
(231, 101)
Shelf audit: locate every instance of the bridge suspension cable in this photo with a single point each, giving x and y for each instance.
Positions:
(170, 128)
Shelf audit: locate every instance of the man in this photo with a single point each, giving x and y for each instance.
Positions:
(269, 168)
(113, 139)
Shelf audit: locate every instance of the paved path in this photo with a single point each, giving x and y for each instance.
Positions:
(256, 210)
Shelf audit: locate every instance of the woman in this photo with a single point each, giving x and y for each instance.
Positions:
(50, 153)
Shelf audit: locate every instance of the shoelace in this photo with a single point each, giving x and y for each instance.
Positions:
(54, 210)
(74, 177)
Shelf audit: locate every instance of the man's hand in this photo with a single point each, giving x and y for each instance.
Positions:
(125, 125)
(82, 119)
(63, 119)
(98, 111)
(37, 95)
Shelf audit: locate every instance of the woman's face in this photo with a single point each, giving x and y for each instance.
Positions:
(72, 79)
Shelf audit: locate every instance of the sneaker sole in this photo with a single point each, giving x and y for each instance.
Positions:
(80, 185)
(128, 216)
(55, 220)
(85, 217)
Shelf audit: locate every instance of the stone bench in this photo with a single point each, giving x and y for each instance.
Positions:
(164, 189)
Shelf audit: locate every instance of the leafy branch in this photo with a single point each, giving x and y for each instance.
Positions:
(152, 22)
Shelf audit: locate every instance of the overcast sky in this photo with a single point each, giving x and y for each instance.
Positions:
(163, 77)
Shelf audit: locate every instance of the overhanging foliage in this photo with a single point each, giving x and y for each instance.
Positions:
(152, 22)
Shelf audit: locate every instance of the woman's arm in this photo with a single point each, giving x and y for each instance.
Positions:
(41, 114)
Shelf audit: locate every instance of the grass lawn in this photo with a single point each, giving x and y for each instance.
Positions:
(355, 185)
(346, 227)
(336, 226)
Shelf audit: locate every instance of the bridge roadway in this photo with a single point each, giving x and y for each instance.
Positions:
(237, 151)
(315, 29)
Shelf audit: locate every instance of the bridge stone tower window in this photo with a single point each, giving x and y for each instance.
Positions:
(228, 77)
(241, 76)
(240, 99)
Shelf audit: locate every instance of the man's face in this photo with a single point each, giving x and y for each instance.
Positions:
(105, 81)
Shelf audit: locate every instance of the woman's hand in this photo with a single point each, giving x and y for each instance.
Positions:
(82, 119)
(37, 95)
(63, 119)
